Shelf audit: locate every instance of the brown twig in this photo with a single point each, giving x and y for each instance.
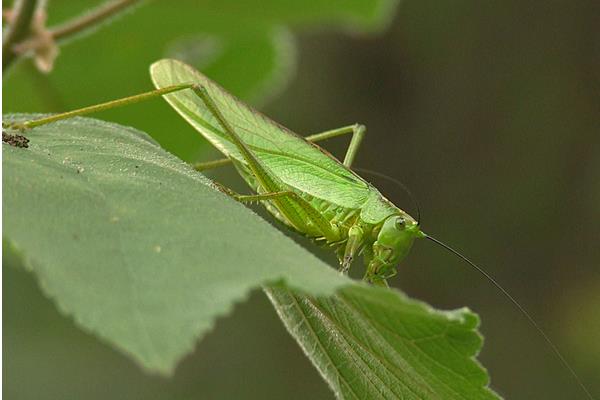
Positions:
(18, 29)
(20, 39)
(91, 18)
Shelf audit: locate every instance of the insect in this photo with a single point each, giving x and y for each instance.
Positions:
(301, 185)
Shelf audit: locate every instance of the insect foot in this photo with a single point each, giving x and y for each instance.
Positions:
(17, 126)
(345, 264)
(225, 190)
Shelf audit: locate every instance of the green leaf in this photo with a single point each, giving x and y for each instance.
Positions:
(136, 245)
(145, 253)
(374, 343)
(254, 59)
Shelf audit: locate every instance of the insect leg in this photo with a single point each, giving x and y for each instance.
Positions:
(357, 131)
(291, 205)
(312, 214)
(344, 130)
(98, 107)
(264, 177)
(356, 238)
(328, 230)
(251, 198)
(203, 166)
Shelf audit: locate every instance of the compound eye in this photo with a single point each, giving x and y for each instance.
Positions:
(400, 223)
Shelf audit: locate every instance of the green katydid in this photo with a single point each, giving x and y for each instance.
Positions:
(300, 184)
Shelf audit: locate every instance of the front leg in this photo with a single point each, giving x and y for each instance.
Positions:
(356, 239)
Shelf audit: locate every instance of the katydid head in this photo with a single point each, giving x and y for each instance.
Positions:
(394, 240)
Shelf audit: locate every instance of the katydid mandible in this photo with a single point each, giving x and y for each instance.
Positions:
(299, 183)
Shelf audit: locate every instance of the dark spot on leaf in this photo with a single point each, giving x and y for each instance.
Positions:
(15, 140)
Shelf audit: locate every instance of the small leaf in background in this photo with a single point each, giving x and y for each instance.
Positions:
(255, 57)
(145, 253)
(373, 343)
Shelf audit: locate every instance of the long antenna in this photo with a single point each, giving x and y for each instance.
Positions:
(397, 182)
(523, 311)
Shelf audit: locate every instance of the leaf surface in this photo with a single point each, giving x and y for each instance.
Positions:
(374, 343)
(134, 243)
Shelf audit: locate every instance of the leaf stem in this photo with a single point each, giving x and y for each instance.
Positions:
(91, 19)
(18, 29)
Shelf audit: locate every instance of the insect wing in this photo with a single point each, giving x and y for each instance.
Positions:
(298, 163)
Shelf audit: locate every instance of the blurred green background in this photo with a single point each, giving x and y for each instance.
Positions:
(489, 112)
